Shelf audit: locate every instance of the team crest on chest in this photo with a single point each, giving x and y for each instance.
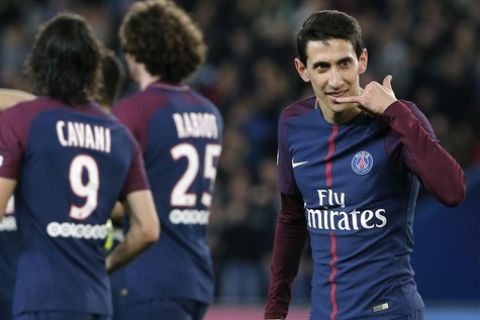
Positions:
(362, 162)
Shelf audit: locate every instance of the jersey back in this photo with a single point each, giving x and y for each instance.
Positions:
(71, 165)
(180, 133)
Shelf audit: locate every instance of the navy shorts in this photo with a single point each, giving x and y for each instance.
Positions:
(60, 316)
(162, 309)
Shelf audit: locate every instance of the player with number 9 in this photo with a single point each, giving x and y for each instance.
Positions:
(68, 162)
(180, 133)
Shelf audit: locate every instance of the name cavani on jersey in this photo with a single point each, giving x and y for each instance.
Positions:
(83, 135)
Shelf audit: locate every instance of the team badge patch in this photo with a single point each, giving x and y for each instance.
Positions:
(362, 162)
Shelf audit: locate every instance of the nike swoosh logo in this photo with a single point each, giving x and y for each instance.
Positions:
(296, 164)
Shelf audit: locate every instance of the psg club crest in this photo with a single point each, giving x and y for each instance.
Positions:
(362, 162)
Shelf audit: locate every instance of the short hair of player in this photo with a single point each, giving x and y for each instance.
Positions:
(162, 36)
(65, 59)
(329, 24)
(112, 76)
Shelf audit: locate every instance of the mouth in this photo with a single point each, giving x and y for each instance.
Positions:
(336, 94)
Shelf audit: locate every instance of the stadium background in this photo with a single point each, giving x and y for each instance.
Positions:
(432, 49)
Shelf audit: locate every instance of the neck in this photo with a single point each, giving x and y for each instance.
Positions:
(145, 79)
(341, 116)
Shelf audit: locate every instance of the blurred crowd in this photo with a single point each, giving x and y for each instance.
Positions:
(431, 47)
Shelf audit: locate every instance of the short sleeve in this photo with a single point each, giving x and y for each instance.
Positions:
(11, 148)
(137, 178)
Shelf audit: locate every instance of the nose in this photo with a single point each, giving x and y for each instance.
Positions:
(335, 79)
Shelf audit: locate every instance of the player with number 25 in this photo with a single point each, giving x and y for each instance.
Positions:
(180, 133)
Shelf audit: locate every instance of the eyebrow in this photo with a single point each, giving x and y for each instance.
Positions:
(324, 64)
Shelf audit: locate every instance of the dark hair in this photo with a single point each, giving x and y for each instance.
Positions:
(329, 24)
(162, 36)
(65, 59)
(112, 76)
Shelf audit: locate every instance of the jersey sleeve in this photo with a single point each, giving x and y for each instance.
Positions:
(137, 178)
(412, 142)
(124, 111)
(286, 179)
(290, 238)
(11, 146)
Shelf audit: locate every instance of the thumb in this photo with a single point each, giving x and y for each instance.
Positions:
(387, 82)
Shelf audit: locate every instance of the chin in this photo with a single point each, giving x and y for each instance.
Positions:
(340, 107)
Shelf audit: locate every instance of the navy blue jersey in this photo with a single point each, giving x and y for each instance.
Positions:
(71, 165)
(180, 133)
(357, 183)
(9, 244)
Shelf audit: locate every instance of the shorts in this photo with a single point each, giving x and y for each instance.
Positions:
(60, 316)
(163, 309)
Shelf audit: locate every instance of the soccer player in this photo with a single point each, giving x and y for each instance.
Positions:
(180, 133)
(68, 162)
(8, 225)
(350, 162)
(113, 76)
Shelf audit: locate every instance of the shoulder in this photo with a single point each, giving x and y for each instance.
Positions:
(204, 101)
(128, 102)
(298, 108)
(145, 98)
(23, 113)
(139, 106)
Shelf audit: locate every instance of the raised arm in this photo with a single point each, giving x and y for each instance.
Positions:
(413, 142)
(290, 237)
(417, 146)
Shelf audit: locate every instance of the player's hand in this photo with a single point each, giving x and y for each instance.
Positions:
(375, 98)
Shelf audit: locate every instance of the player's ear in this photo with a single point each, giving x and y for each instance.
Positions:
(301, 69)
(363, 61)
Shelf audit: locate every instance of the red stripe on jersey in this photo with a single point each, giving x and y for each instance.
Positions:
(333, 238)
(328, 158)
(333, 285)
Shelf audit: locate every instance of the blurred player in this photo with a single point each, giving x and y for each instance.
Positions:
(112, 76)
(9, 240)
(180, 133)
(350, 162)
(68, 162)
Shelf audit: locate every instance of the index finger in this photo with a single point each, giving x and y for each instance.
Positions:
(350, 99)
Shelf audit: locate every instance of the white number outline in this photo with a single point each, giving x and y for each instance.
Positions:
(88, 190)
(180, 197)
(212, 151)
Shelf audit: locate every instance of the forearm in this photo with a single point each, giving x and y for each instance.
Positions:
(133, 244)
(439, 172)
(143, 232)
(290, 237)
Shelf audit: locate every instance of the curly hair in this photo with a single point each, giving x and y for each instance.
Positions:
(65, 60)
(162, 36)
